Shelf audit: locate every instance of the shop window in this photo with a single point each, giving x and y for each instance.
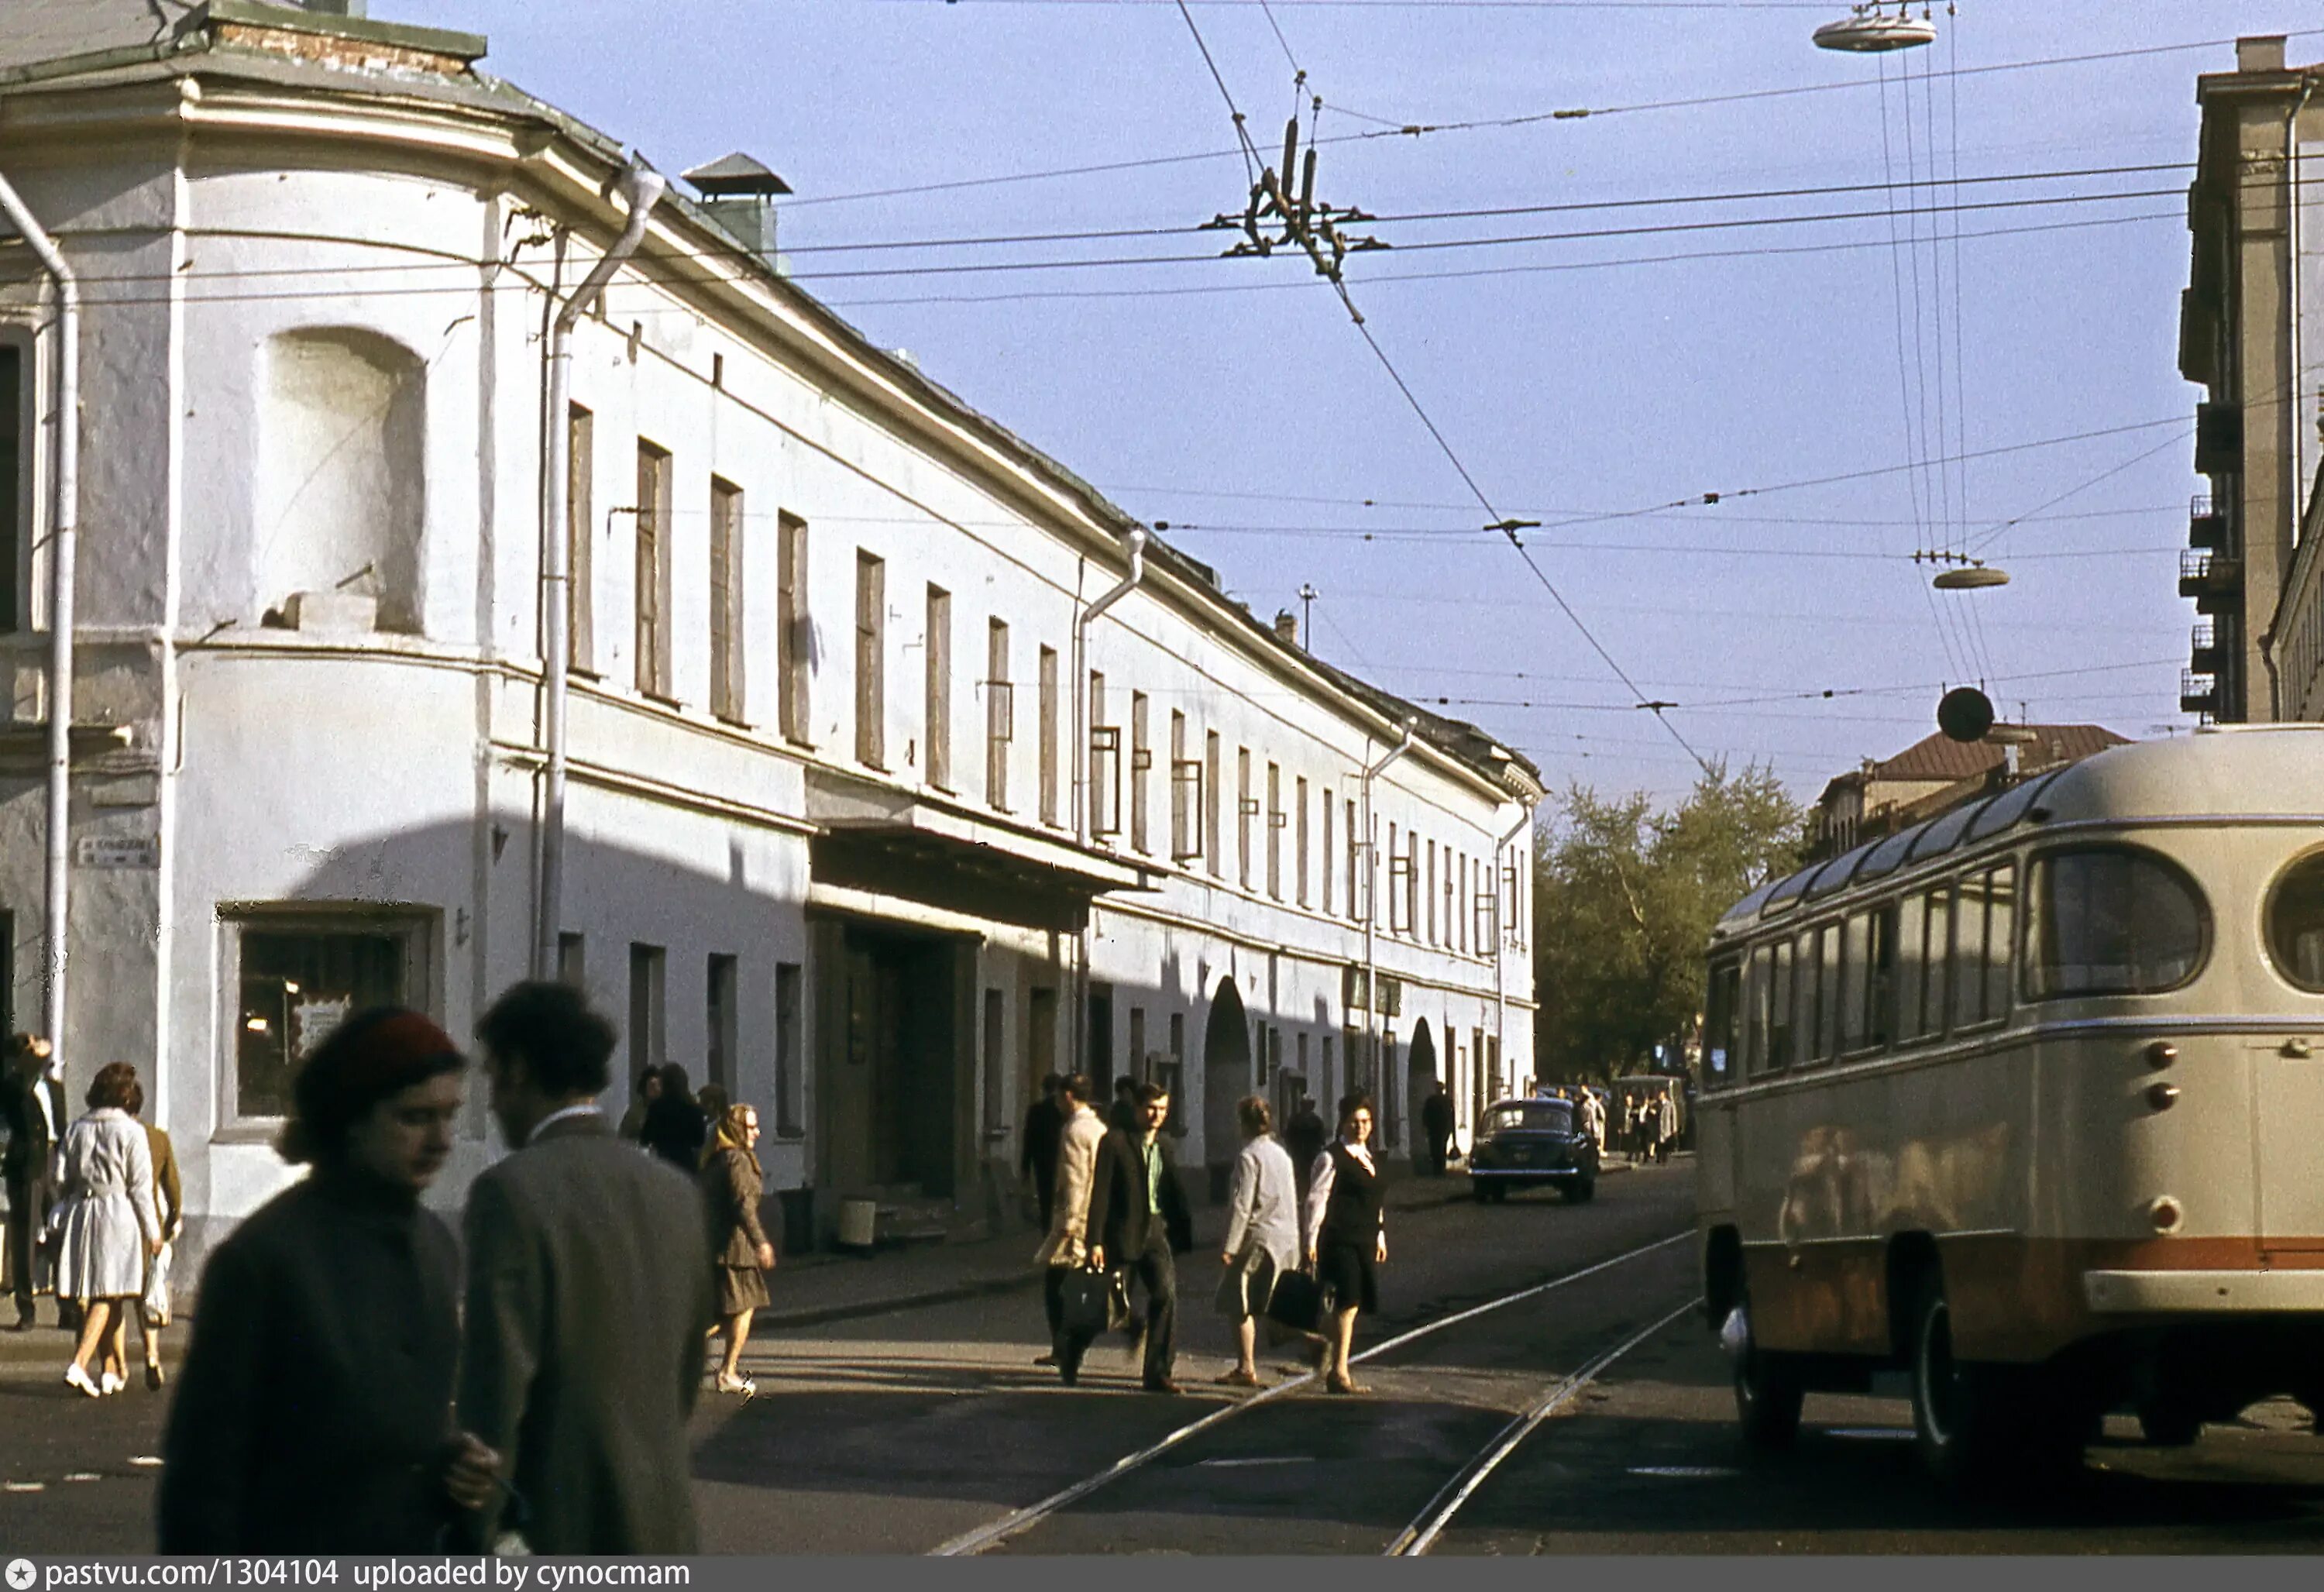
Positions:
(297, 973)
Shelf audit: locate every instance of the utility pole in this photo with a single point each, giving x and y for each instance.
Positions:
(1307, 595)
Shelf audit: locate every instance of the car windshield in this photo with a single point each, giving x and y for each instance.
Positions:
(1531, 1116)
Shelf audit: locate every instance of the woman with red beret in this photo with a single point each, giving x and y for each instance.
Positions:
(314, 1410)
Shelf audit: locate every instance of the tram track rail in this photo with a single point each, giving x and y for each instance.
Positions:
(994, 1534)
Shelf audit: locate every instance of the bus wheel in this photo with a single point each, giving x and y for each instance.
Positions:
(1768, 1391)
(1958, 1416)
(2168, 1423)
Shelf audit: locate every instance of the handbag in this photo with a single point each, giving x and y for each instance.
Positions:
(155, 1301)
(1300, 1302)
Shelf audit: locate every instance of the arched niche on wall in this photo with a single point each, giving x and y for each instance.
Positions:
(342, 479)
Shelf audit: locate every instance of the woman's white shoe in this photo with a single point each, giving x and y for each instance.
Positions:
(76, 1376)
(111, 1382)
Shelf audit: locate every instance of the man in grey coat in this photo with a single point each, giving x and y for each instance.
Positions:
(589, 1296)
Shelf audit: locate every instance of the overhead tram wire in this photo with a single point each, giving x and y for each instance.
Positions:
(1419, 129)
(2007, 526)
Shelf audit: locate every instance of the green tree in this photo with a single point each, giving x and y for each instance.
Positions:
(1623, 900)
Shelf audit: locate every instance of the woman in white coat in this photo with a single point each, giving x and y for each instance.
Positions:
(105, 1224)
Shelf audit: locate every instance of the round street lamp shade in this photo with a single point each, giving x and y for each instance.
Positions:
(1867, 31)
(1964, 714)
(1975, 579)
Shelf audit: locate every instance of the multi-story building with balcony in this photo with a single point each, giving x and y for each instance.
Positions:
(900, 768)
(2251, 331)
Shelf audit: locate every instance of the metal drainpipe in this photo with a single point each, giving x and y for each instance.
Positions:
(641, 186)
(1500, 945)
(1079, 686)
(1371, 907)
(63, 537)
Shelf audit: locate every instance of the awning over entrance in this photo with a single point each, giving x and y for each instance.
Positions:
(892, 843)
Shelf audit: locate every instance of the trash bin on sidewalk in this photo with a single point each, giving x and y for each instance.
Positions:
(858, 1224)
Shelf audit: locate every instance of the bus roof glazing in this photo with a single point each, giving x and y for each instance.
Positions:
(1944, 833)
(1836, 873)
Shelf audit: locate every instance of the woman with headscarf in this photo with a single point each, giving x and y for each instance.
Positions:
(314, 1410)
(674, 1127)
(169, 1204)
(740, 1255)
(106, 1226)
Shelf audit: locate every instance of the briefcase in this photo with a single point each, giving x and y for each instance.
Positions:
(1300, 1303)
(1086, 1298)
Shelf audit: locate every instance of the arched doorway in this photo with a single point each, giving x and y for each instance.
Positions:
(1419, 1073)
(1226, 1079)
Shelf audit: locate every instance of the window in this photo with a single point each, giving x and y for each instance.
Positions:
(722, 1019)
(1721, 1020)
(1782, 1012)
(1186, 789)
(871, 660)
(1275, 821)
(1172, 1076)
(1048, 758)
(580, 467)
(1808, 954)
(2295, 923)
(2111, 921)
(1000, 714)
(937, 710)
(1983, 914)
(572, 961)
(1754, 1060)
(1327, 860)
(1211, 754)
(1855, 983)
(790, 1109)
(1396, 869)
(1927, 948)
(999, 1084)
(794, 640)
(1411, 880)
(727, 628)
(298, 975)
(1141, 769)
(1104, 764)
(646, 1032)
(1137, 1043)
(1299, 840)
(1246, 808)
(1430, 934)
(653, 574)
(1358, 906)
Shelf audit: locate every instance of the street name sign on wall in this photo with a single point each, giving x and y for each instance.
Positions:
(118, 850)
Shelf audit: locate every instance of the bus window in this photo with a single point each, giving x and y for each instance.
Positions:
(1721, 1020)
(1937, 942)
(2110, 921)
(2295, 922)
(1834, 967)
(1855, 985)
(1755, 1007)
(1881, 989)
(1911, 967)
(2000, 938)
(1780, 1012)
(1969, 921)
(1810, 963)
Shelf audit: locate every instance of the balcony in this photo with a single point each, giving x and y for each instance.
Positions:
(2213, 580)
(2206, 525)
(2218, 439)
(2198, 694)
(2204, 649)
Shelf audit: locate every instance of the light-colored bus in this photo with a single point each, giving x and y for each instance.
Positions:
(2028, 1101)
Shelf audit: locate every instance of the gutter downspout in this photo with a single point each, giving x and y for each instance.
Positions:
(1079, 686)
(1371, 908)
(641, 186)
(63, 537)
(1500, 942)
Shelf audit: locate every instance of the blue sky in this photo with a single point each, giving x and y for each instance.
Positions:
(1578, 379)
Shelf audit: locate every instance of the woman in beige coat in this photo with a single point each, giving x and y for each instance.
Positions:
(1066, 1247)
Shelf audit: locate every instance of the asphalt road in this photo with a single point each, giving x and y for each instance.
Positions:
(901, 1432)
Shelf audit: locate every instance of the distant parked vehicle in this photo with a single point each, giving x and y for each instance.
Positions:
(1532, 1144)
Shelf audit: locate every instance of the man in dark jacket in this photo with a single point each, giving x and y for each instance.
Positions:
(1138, 1220)
(1436, 1128)
(1123, 1116)
(1303, 1135)
(589, 1296)
(1038, 1158)
(33, 1109)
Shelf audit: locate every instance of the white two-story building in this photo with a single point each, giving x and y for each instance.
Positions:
(899, 768)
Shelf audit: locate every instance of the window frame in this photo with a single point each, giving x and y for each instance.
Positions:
(650, 595)
(794, 640)
(2313, 855)
(728, 625)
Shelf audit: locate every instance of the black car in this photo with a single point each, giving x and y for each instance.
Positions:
(1528, 1144)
